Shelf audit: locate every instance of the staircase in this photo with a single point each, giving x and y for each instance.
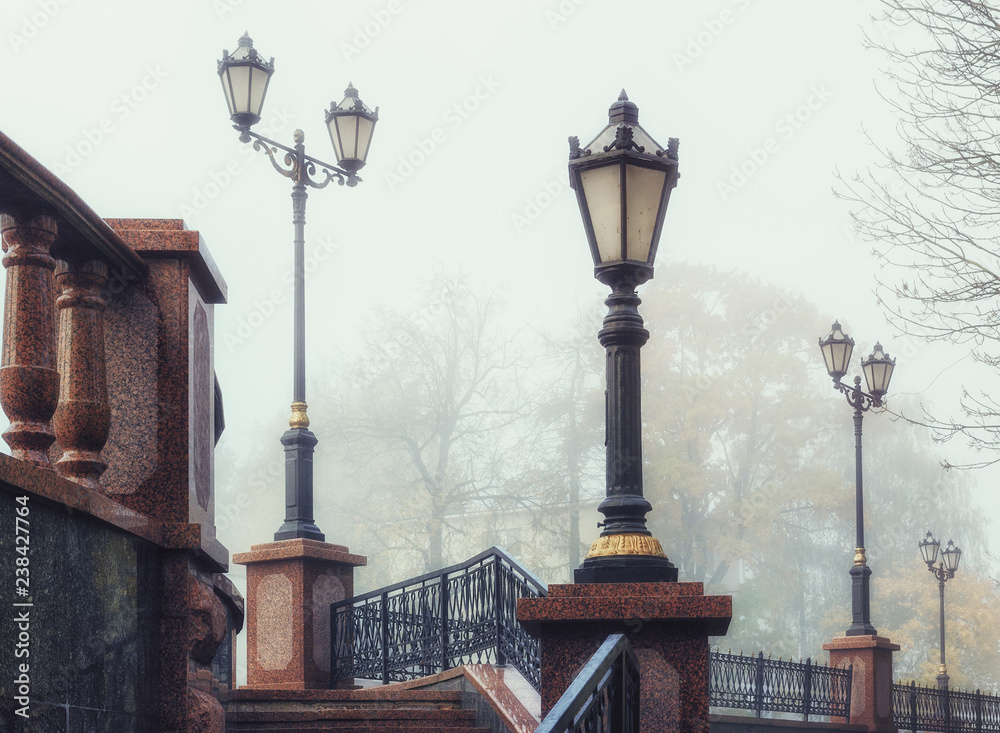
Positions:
(313, 711)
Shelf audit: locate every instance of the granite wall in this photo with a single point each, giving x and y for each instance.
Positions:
(92, 626)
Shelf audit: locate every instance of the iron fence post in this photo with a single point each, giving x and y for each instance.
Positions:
(947, 709)
(334, 628)
(807, 690)
(979, 711)
(616, 696)
(499, 596)
(384, 619)
(444, 621)
(759, 684)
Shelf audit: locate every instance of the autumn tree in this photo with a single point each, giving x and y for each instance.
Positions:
(426, 425)
(750, 468)
(930, 205)
(566, 454)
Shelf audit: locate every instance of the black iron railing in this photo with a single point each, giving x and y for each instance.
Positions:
(604, 696)
(949, 711)
(463, 614)
(759, 684)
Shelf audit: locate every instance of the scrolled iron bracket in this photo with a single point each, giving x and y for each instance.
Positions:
(298, 166)
(856, 397)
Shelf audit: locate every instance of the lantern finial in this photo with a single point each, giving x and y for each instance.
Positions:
(623, 111)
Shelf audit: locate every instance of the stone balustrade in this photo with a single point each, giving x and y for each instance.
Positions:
(53, 383)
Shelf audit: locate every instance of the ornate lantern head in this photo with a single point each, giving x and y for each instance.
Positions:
(837, 348)
(623, 179)
(929, 549)
(351, 125)
(878, 371)
(245, 76)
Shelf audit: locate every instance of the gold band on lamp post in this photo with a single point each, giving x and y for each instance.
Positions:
(859, 556)
(299, 419)
(626, 544)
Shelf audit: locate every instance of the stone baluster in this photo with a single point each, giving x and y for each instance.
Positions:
(82, 418)
(29, 381)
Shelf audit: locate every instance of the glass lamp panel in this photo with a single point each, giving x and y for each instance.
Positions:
(347, 131)
(227, 89)
(643, 193)
(888, 375)
(837, 355)
(365, 129)
(258, 85)
(877, 375)
(602, 192)
(239, 92)
(338, 148)
(929, 549)
(951, 556)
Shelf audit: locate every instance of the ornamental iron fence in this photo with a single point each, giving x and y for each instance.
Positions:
(759, 684)
(949, 711)
(467, 614)
(463, 614)
(603, 697)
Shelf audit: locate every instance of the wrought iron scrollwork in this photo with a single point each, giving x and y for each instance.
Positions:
(464, 614)
(298, 166)
(944, 710)
(574, 148)
(624, 140)
(671, 151)
(604, 696)
(759, 684)
(856, 397)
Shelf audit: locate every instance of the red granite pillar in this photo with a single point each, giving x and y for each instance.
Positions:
(668, 625)
(290, 586)
(29, 382)
(871, 681)
(82, 418)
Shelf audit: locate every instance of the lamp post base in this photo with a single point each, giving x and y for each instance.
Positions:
(871, 681)
(861, 624)
(626, 569)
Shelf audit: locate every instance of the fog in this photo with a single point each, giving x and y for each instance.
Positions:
(467, 170)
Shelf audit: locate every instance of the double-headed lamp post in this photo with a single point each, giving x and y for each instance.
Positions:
(245, 77)
(623, 179)
(837, 348)
(944, 570)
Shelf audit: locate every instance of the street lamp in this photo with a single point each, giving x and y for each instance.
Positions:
(837, 348)
(623, 179)
(944, 571)
(245, 77)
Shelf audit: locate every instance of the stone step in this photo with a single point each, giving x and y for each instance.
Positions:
(352, 718)
(245, 700)
(357, 728)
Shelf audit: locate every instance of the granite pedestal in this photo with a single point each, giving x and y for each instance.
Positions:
(871, 681)
(668, 625)
(290, 586)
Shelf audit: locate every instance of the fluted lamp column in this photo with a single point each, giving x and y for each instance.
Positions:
(623, 179)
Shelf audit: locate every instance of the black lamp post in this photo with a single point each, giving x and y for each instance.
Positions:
(623, 180)
(944, 571)
(837, 348)
(245, 77)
